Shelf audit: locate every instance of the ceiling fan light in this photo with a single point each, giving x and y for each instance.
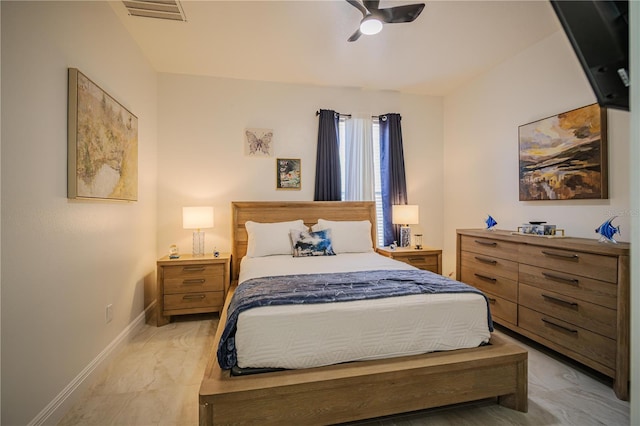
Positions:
(370, 26)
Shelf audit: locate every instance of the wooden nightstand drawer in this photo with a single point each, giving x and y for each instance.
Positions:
(421, 261)
(207, 299)
(426, 258)
(592, 317)
(194, 283)
(489, 247)
(188, 271)
(591, 345)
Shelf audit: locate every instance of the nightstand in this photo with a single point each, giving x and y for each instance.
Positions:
(191, 285)
(426, 258)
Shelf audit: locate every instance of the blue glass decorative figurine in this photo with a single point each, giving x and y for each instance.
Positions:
(607, 231)
(491, 222)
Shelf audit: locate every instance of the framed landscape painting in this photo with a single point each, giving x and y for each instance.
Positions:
(564, 157)
(102, 138)
(288, 173)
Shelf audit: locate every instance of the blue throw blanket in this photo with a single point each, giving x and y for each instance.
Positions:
(329, 288)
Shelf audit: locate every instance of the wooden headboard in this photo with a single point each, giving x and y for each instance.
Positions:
(281, 211)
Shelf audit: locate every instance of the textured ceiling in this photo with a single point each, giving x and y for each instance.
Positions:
(306, 42)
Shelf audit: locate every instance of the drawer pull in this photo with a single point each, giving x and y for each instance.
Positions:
(573, 281)
(492, 300)
(416, 259)
(484, 277)
(194, 281)
(193, 268)
(193, 297)
(561, 255)
(485, 260)
(486, 243)
(560, 301)
(561, 327)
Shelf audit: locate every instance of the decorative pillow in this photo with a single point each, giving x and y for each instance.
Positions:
(306, 243)
(268, 239)
(348, 236)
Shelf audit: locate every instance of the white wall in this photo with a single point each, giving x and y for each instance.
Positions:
(481, 146)
(64, 261)
(0, 217)
(634, 48)
(201, 159)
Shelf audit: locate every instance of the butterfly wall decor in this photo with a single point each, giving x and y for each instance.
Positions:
(258, 142)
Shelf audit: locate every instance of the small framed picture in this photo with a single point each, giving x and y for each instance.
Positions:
(288, 173)
(258, 142)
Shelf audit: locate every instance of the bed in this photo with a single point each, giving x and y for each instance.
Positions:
(349, 391)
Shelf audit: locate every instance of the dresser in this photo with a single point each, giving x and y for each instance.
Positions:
(429, 259)
(569, 294)
(191, 285)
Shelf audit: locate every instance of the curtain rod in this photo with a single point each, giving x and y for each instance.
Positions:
(349, 115)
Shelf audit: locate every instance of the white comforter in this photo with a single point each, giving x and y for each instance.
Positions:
(307, 336)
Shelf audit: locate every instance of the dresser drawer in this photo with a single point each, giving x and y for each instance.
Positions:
(502, 309)
(591, 345)
(208, 299)
(600, 267)
(599, 292)
(485, 281)
(490, 265)
(489, 247)
(589, 316)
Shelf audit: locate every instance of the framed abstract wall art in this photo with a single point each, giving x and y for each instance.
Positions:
(102, 139)
(258, 142)
(288, 173)
(564, 157)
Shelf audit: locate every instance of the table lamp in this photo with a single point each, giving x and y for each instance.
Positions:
(197, 218)
(405, 215)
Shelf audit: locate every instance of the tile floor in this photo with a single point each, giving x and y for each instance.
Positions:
(155, 379)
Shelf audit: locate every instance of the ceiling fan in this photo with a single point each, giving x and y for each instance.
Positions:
(373, 16)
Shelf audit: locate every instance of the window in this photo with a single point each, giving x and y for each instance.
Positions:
(376, 164)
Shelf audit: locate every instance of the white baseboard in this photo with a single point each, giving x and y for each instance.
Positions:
(56, 409)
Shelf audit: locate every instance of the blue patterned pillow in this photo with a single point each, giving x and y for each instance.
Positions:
(305, 243)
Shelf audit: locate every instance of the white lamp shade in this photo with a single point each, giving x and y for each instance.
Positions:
(197, 217)
(406, 214)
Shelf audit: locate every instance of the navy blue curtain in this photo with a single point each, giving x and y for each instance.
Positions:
(328, 181)
(393, 180)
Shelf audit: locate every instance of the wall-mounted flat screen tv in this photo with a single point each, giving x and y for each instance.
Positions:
(599, 33)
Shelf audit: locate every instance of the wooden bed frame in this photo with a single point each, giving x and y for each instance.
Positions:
(356, 390)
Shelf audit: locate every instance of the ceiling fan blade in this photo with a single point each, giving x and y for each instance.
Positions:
(359, 6)
(371, 5)
(355, 35)
(398, 14)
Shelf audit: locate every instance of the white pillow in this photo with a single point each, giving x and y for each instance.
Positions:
(347, 236)
(268, 239)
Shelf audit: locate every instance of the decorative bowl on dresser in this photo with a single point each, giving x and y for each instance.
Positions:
(426, 258)
(191, 285)
(569, 294)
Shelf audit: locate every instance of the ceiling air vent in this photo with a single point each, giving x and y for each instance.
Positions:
(159, 9)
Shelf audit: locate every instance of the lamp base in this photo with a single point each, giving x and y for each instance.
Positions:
(198, 243)
(405, 236)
